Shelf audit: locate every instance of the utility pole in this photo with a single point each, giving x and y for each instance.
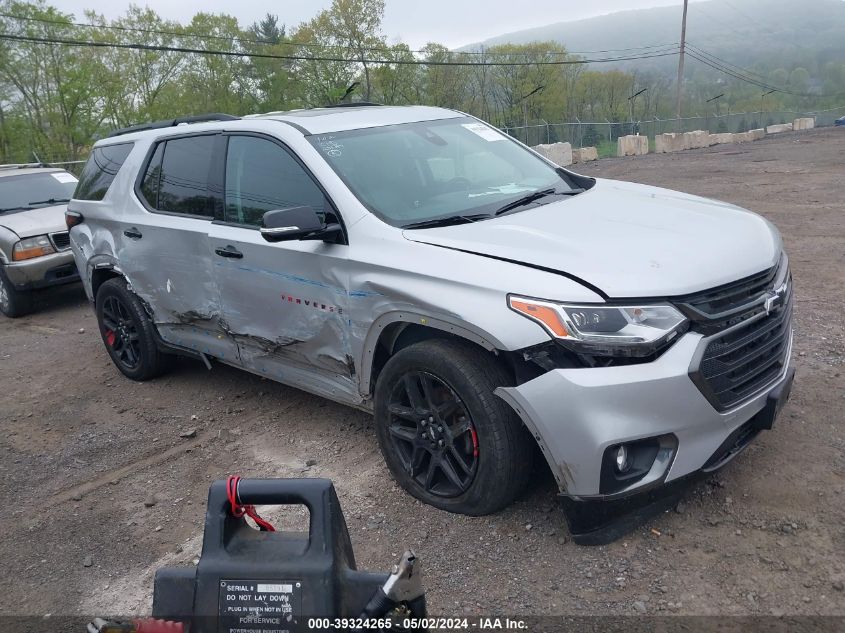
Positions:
(763, 96)
(681, 64)
(631, 104)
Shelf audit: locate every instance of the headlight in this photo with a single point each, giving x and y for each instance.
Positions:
(32, 247)
(633, 330)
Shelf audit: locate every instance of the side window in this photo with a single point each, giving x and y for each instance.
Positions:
(152, 177)
(262, 176)
(177, 179)
(100, 170)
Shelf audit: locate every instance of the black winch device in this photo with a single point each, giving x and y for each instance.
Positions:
(256, 580)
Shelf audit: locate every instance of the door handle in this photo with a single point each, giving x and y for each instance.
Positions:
(133, 233)
(230, 251)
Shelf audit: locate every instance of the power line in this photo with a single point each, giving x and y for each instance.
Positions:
(261, 42)
(725, 62)
(307, 58)
(751, 80)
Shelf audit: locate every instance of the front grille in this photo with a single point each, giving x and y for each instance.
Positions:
(748, 349)
(727, 298)
(61, 240)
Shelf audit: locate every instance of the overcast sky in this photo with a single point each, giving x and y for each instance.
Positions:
(450, 22)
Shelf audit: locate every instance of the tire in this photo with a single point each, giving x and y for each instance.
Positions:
(430, 377)
(14, 303)
(128, 333)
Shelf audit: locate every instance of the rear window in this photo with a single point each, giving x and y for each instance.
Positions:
(177, 177)
(100, 170)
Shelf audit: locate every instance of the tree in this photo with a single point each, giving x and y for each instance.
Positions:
(397, 83)
(216, 83)
(352, 27)
(268, 30)
(51, 87)
(141, 80)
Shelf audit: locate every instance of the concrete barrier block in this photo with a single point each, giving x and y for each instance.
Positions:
(807, 123)
(559, 153)
(584, 154)
(632, 145)
(757, 134)
(668, 142)
(777, 129)
(698, 139)
(743, 137)
(721, 139)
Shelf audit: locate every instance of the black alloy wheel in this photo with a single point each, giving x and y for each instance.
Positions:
(433, 434)
(121, 333)
(129, 333)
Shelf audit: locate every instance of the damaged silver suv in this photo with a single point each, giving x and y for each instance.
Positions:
(481, 301)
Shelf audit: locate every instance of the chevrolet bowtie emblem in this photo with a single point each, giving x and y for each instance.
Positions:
(774, 298)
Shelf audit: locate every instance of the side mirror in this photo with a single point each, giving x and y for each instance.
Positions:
(296, 223)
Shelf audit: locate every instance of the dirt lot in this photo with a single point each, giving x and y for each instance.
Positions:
(100, 489)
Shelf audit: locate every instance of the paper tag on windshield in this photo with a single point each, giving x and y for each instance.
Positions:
(487, 133)
(63, 177)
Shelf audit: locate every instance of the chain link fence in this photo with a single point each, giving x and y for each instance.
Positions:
(603, 134)
(597, 133)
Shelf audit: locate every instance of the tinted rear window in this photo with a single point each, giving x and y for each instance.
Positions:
(177, 177)
(152, 177)
(100, 170)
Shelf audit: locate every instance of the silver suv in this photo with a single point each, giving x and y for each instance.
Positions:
(34, 243)
(485, 304)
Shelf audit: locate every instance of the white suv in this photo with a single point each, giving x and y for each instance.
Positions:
(484, 303)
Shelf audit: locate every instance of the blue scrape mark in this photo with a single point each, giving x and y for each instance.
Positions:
(307, 282)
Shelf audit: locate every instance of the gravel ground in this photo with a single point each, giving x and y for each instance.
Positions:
(102, 488)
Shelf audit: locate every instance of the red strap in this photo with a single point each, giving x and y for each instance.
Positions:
(238, 509)
(151, 625)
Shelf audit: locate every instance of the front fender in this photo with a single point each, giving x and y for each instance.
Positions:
(8, 239)
(441, 322)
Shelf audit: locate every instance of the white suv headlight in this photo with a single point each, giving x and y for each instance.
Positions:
(624, 330)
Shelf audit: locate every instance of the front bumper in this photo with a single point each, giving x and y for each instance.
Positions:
(42, 272)
(576, 414)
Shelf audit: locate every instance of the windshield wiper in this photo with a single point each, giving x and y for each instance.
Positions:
(15, 209)
(50, 201)
(450, 220)
(533, 197)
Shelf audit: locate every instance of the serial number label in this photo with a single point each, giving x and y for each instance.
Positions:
(398, 623)
(259, 606)
(345, 624)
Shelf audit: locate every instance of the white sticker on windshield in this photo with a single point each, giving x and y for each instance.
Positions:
(64, 177)
(487, 133)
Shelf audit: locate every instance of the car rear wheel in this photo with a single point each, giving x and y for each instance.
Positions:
(13, 302)
(128, 333)
(446, 438)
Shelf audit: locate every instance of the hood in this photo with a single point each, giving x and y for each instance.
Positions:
(35, 221)
(626, 240)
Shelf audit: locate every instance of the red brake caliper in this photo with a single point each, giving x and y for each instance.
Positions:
(110, 338)
(474, 441)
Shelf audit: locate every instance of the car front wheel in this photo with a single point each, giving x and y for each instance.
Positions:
(446, 438)
(13, 302)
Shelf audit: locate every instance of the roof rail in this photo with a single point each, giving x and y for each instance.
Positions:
(352, 104)
(157, 125)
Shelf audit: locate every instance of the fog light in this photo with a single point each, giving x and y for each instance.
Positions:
(622, 463)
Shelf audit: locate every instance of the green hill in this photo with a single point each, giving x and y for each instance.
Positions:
(761, 34)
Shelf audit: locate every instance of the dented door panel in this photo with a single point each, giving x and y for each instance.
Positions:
(169, 267)
(285, 306)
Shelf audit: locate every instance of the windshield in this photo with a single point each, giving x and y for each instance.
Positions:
(27, 191)
(413, 172)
